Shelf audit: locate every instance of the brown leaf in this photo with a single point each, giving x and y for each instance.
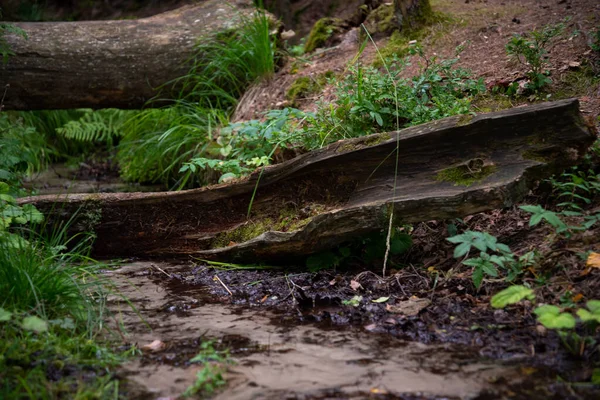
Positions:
(155, 346)
(355, 285)
(410, 307)
(593, 260)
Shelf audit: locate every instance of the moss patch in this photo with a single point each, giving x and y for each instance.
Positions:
(321, 32)
(381, 20)
(466, 174)
(431, 26)
(306, 86)
(464, 119)
(576, 84)
(290, 219)
(242, 233)
(372, 140)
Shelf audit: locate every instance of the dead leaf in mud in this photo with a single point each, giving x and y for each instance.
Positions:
(593, 260)
(410, 307)
(371, 327)
(355, 285)
(155, 346)
(378, 391)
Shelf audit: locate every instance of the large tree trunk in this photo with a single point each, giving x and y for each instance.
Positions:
(411, 12)
(446, 169)
(100, 64)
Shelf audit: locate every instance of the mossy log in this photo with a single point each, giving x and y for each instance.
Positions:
(446, 169)
(100, 64)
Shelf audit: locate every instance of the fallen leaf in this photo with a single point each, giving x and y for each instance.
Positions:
(577, 298)
(593, 260)
(378, 391)
(355, 285)
(371, 327)
(155, 346)
(574, 64)
(410, 307)
(381, 300)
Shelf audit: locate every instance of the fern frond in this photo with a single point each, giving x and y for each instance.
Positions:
(96, 126)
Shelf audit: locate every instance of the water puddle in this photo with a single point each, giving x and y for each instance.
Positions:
(279, 360)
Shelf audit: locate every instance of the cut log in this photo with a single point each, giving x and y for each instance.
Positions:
(446, 169)
(101, 64)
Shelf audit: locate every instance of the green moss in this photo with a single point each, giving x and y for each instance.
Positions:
(306, 86)
(491, 102)
(242, 233)
(534, 155)
(371, 140)
(576, 83)
(381, 20)
(321, 32)
(430, 25)
(466, 174)
(464, 119)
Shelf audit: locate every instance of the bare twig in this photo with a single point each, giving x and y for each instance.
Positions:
(221, 282)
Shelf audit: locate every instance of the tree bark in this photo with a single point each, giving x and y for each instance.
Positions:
(101, 64)
(410, 12)
(333, 195)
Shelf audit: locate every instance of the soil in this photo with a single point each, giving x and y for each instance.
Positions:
(483, 27)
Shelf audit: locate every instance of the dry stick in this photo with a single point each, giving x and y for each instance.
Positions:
(161, 270)
(221, 282)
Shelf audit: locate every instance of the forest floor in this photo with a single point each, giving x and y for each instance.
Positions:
(422, 331)
(428, 296)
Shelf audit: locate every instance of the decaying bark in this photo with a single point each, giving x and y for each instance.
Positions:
(333, 195)
(100, 64)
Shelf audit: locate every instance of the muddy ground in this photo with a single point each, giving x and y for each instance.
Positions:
(296, 334)
(291, 349)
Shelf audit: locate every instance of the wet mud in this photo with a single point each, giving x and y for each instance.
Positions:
(286, 349)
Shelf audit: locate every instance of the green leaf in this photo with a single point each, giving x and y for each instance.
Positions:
(32, 214)
(593, 306)
(400, 243)
(381, 300)
(552, 318)
(596, 376)
(587, 316)
(477, 277)
(512, 295)
(35, 324)
(5, 315)
(64, 323)
(535, 219)
(490, 269)
(4, 187)
(547, 309)
(461, 250)
(354, 302)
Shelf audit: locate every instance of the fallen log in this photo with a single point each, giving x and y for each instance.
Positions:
(101, 64)
(446, 169)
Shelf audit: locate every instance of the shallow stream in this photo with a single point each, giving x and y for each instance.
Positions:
(277, 358)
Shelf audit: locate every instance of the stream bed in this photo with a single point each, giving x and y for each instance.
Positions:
(278, 357)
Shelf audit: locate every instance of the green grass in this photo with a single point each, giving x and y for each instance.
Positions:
(224, 68)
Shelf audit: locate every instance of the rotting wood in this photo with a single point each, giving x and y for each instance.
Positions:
(100, 64)
(330, 196)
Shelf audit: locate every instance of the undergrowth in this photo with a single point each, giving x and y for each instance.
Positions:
(52, 305)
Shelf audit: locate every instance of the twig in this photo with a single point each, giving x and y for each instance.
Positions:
(221, 282)
(161, 270)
